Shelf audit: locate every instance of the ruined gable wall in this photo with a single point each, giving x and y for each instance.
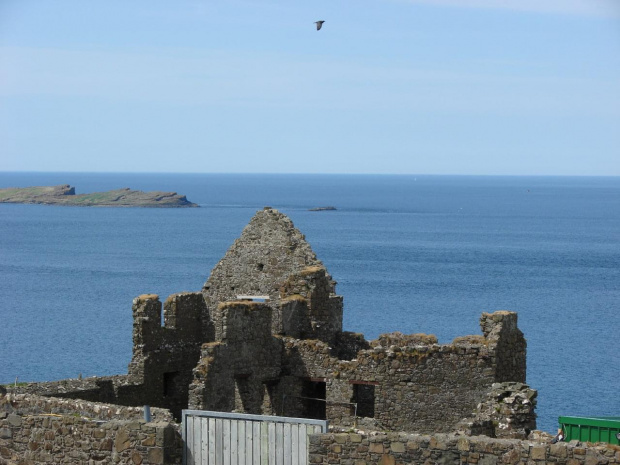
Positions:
(269, 250)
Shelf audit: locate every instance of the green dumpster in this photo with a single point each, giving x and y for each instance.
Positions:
(591, 429)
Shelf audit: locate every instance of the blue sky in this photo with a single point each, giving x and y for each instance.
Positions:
(521, 87)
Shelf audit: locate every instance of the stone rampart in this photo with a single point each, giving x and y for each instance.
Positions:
(415, 449)
(46, 430)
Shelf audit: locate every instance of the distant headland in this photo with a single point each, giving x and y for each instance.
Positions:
(65, 195)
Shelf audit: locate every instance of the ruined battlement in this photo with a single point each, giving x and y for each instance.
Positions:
(507, 343)
(181, 317)
(163, 356)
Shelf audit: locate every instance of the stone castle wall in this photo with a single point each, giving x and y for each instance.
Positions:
(409, 383)
(43, 430)
(399, 383)
(234, 372)
(164, 356)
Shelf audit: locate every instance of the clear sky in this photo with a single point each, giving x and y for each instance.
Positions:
(387, 86)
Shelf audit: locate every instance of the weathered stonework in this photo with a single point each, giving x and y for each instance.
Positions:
(269, 250)
(401, 448)
(164, 356)
(265, 336)
(289, 355)
(46, 430)
(506, 412)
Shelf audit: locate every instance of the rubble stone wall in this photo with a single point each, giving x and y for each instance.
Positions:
(414, 383)
(508, 412)
(46, 430)
(413, 449)
(416, 388)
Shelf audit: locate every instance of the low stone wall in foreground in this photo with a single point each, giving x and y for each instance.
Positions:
(36, 430)
(444, 449)
(47, 430)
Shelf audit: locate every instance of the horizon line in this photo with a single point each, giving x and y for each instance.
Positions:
(293, 173)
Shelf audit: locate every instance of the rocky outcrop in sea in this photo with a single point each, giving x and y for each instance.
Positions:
(65, 195)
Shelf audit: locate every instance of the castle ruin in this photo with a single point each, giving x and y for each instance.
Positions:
(265, 336)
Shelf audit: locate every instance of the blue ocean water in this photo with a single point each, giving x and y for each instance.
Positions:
(410, 253)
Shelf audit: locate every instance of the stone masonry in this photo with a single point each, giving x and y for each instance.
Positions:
(46, 430)
(265, 336)
(288, 355)
(449, 449)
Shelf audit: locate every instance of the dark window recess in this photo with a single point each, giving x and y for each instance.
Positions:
(171, 380)
(364, 397)
(244, 392)
(313, 399)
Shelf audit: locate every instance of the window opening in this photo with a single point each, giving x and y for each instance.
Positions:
(170, 383)
(364, 397)
(314, 396)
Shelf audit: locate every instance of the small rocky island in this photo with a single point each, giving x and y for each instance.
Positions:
(321, 209)
(65, 195)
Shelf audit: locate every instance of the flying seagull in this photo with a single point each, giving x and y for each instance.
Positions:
(319, 24)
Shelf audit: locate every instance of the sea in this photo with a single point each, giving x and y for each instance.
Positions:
(415, 254)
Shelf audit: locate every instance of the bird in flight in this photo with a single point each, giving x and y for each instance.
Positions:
(319, 24)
